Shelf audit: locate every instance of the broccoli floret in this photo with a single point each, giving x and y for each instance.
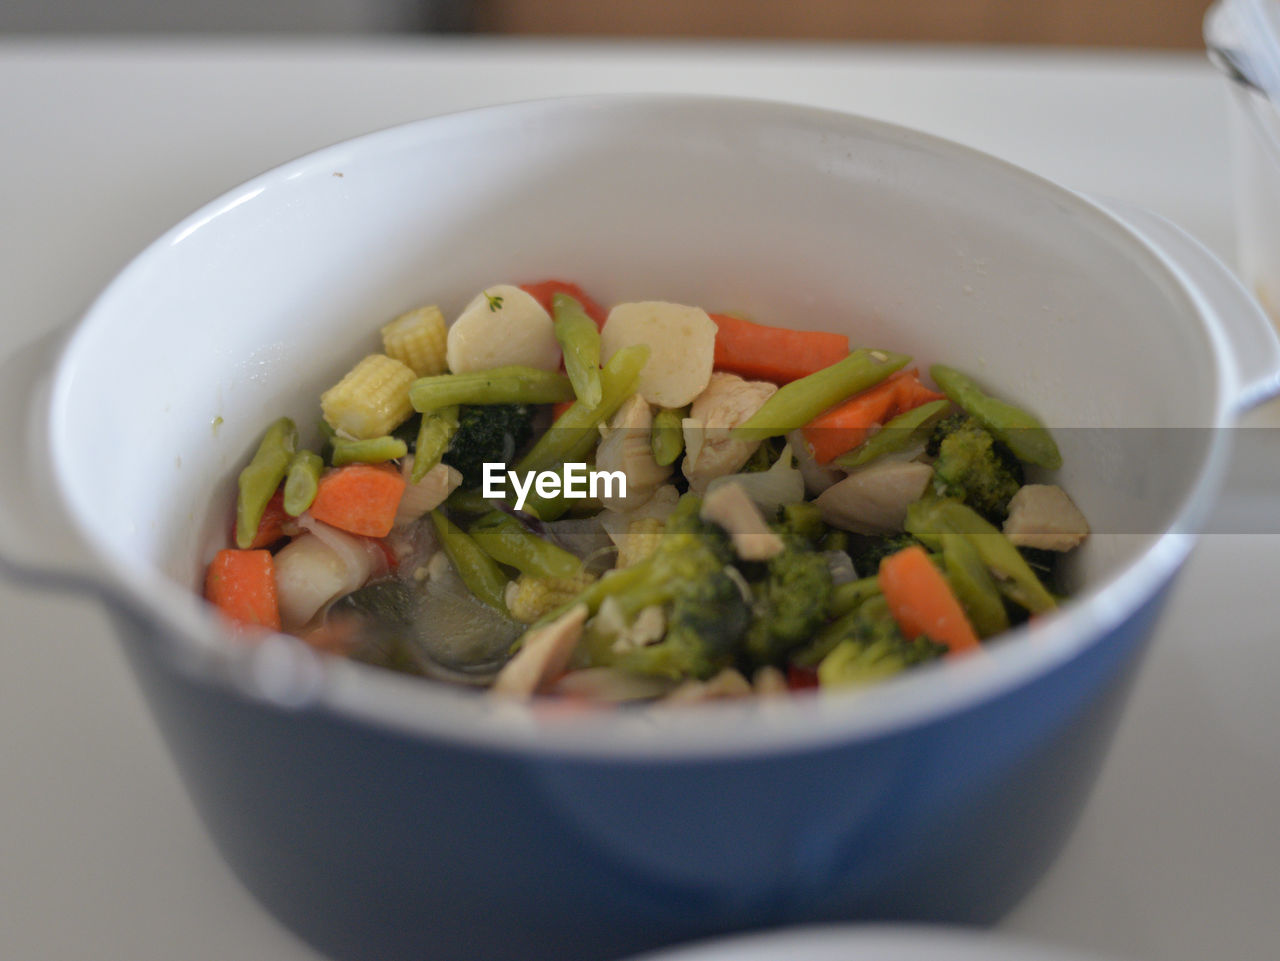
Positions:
(802, 520)
(866, 551)
(492, 433)
(764, 456)
(973, 467)
(689, 577)
(789, 603)
(873, 649)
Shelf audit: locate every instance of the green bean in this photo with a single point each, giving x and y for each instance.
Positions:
(508, 542)
(469, 501)
(479, 571)
(374, 450)
(1021, 431)
(301, 481)
(872, 606)
(846, 597)
(797, 403)
(928, 520)
(580, 342)
(573, 436)
(261, 476)
(898, 434)
(973, 585)
(434, 434)
(667, 437)
(501, 385)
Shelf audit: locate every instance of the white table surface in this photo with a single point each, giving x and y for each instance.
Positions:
(103, 146)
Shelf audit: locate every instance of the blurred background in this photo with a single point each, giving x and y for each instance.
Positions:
(1116, 23)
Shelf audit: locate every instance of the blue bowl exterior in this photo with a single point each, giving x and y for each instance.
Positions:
(376, 845)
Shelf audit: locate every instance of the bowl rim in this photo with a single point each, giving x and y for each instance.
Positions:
(283, 671)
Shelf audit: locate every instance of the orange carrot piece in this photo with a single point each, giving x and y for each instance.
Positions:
(543, 291)
(921, 600)
(844, 427)
(359, 498)
(774, 353)
(242, 585)
(271, 527)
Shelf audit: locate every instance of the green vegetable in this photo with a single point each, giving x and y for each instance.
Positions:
(580, 343)
(789, 603)
(478, 570)
(492, 434)
(797, 403)
(867, 550)
(898, 434)
(868, 618)
(845, 597)
(802, 520)
(972, 585)
(501, 385)
(434, 435)
(464, 501)
(374, 450)
(667, 435)
(972, 466)
(261, 476)
(1024, 434)
(864, 660)
(577, 431)
(301, 481)
(508, 542)
(930, 519)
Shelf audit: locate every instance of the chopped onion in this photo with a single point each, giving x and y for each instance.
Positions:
(770, 489)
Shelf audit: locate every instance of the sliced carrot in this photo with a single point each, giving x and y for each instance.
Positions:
(359, 498)
(242, 585)
(921, 601)
(774, 353)
(847, 425)
(543, 291)
(271, 527)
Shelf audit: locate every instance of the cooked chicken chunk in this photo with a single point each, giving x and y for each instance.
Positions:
(627, 446)
(875, 499)
(1043, 516)
(733, 509)
(543, 656)
(727, 402)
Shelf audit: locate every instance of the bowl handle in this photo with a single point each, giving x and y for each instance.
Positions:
(1243, 332)
(38, 545)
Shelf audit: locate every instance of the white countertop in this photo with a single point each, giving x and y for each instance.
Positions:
(104, 146)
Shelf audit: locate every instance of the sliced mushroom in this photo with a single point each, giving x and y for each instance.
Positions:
(627, 446)
(710, 452)
(733, 509)
(1043, 516)
(543, 656)
(875, 499)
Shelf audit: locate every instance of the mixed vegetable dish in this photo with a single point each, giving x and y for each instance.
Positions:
(648, 503)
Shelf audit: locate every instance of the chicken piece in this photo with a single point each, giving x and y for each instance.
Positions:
(543, 656)
(725, 685)
(733, 509)
(426, 495)
(727, 402)
(1043, 516)
(627, 446)
(875, 499)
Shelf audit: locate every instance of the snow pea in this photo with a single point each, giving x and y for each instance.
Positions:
(373, 450)
(508, 542)
(301, 481)
(898, 434)
(1021, 431)
(479, 571)
(797, 403)
(580, 343)
(261, 476)
(667, 435)
(973, 585)
(501, 385)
